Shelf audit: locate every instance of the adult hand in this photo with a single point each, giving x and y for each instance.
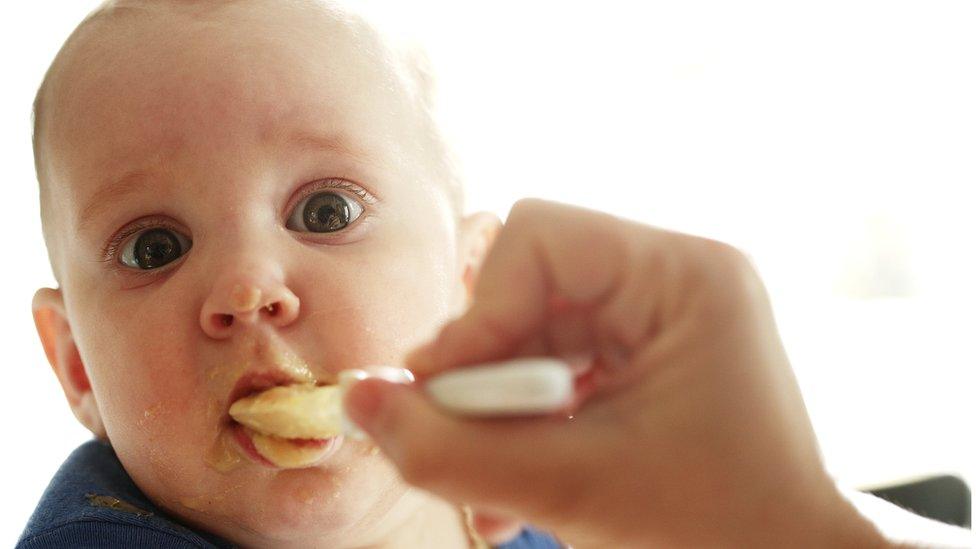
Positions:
(690, 430)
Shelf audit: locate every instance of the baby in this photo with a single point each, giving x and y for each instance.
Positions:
(238, 195)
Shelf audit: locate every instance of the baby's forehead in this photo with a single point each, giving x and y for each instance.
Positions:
(238, 51)
(154, 79)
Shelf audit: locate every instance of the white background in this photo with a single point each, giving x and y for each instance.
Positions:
(834, 141)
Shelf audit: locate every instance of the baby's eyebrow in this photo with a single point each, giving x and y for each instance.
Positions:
(337, 143)
(111, 194)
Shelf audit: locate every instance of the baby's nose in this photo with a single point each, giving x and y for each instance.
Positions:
(236, 303)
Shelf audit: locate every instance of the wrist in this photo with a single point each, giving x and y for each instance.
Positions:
(852, 528)
(820, 516)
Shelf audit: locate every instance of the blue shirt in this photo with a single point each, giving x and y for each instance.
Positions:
(92, 502)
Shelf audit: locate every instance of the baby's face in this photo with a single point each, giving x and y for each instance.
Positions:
(242, 200)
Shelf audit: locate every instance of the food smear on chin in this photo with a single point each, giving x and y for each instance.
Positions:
(223, 456)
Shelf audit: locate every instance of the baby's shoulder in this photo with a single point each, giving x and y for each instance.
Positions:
(91, 501)
(88, 533)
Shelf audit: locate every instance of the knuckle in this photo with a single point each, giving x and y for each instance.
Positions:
(526, 217)
(710, 273)
(524, 210)
(728, 264)
(735, 259)
(732, 279)
(529, 204)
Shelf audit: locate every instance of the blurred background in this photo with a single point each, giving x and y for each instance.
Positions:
(833, 141)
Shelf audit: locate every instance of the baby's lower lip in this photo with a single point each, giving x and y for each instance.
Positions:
(243, 436)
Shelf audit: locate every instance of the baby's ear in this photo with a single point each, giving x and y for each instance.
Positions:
(478, 232)
(59, 346)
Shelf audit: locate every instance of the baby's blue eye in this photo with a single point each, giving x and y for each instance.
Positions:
(153, 248)
(324, 212)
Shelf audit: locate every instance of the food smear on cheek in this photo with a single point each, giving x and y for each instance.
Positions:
(149, 415)
(154, 427)
(223, 456)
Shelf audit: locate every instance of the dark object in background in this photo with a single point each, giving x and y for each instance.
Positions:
(942, 498)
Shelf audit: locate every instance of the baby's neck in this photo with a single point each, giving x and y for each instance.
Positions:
(424, 522)
(435, 524)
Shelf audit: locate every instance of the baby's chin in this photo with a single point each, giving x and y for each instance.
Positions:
(349, 499)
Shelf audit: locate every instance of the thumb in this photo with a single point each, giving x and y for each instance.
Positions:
(526, 467)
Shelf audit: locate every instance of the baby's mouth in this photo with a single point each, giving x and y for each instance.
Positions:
(282, 423)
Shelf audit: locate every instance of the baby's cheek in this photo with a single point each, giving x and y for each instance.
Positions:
(406, 304)
(154, 410)
(141, 362)
(163, 392)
